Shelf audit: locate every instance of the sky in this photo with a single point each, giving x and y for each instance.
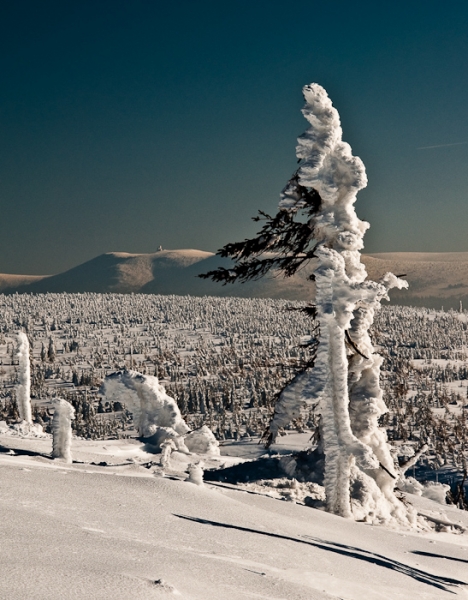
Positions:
(129, 125)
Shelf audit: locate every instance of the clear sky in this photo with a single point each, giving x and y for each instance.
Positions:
(126, 124)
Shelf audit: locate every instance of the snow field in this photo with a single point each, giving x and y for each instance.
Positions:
(127, 532)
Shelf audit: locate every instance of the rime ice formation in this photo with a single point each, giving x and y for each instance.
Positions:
(202, 441)
(358, 477)
(195, 474)
(61, 430)
(24, 377)
(155, 414)
(146, 398)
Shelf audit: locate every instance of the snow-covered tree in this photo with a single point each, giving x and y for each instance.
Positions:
(51, 350)
(24, 379)
(62, 430)
(153, 410)
(316, 220)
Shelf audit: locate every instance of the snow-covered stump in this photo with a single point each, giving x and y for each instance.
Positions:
(23, 391)
(167, 447)
(62, 430)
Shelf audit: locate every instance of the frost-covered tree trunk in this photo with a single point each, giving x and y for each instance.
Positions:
(335, 300)
(62, 430)
(23, 392)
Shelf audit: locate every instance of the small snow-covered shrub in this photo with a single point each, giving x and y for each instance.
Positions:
(195, 474)
(167, 447)
(157, 436)
(202, 441)
(291, 490)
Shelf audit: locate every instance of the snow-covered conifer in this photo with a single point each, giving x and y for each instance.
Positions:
(202, 441)
(24, 377)
(62, 430)
(51, 350)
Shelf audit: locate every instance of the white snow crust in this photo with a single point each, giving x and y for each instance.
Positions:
(126, 531)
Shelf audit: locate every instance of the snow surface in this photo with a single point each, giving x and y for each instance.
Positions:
(113, 525)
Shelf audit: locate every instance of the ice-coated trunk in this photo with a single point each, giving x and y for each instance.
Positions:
(23, 391)
(337, 456)
(62, 430)
(341, 447)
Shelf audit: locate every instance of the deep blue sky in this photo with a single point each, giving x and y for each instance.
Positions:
(129, 124)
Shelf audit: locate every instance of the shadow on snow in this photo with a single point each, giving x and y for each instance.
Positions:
(437, 581)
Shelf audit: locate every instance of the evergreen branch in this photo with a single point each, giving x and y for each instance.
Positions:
(284, 243)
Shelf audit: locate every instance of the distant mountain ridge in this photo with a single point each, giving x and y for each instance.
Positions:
(436, 279)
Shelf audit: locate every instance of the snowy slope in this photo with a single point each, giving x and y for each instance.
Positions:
(125, 531)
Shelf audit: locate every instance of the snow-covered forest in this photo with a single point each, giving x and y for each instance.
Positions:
(225, 359)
